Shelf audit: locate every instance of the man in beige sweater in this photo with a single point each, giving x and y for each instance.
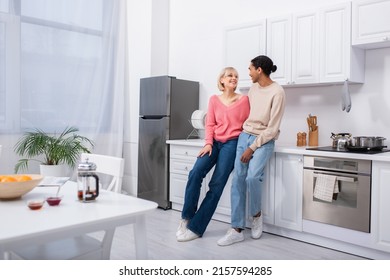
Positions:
(255, 147)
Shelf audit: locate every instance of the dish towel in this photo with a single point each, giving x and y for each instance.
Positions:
(325, 187)
(346, 97)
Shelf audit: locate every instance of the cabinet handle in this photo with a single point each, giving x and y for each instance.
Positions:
(186, 168)
(385, 38)
(186, 153)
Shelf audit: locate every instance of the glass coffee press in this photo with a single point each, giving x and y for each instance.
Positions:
(87, 182)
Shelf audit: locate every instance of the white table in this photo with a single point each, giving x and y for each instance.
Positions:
(20, 226)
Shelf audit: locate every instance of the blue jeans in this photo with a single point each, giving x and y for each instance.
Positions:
(222, 157)
(248, 178)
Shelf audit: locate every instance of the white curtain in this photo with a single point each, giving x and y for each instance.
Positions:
(72, 69)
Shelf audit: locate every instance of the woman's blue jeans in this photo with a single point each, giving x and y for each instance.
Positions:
(248, 178)
(222, 157)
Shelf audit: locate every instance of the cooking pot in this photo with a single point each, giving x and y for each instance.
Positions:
(368, 142)
(340, 140)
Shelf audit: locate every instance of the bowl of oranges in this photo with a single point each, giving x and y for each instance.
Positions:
(15, 186)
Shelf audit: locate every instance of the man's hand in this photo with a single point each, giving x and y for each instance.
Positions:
(247, 155)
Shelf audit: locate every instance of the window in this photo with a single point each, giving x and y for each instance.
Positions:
(9, 70)
(59, 66)
(4, 6)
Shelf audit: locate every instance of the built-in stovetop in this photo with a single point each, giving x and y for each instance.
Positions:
(351, 150)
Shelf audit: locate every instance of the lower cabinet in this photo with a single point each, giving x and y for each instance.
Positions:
(288, 191)
(380, 206)
(182, 159)
(281, 194)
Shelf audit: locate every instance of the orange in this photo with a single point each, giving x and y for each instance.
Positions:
(22, 178)
(8, 179)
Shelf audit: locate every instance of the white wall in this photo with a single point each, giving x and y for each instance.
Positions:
(196, 52)
(148, 33)
(139, 19)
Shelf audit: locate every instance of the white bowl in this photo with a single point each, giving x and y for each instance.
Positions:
(15, 190)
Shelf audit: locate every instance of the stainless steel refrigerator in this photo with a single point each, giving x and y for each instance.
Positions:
(166, 106)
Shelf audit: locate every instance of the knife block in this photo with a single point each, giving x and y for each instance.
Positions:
(313, 137)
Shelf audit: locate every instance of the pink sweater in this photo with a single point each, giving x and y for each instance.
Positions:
(223, 122)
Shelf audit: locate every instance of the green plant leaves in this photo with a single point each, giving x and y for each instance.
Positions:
(55, 149)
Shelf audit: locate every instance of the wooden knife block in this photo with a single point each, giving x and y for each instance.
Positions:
(313, 137)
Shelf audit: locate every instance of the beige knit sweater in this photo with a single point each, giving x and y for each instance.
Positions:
(267, 108)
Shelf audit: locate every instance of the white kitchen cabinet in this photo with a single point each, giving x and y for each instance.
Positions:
(339, 61)
(380, 206)
(279, 47)
(242, 44)
(305, 48)
(182, 159)
(268, 193)
(223, 210)
(371, 24)
(314, 47)
(288, 191)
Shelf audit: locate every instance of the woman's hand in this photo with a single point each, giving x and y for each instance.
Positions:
(247, 155)
(205, 150)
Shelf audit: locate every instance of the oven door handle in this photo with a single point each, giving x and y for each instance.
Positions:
(339, 178)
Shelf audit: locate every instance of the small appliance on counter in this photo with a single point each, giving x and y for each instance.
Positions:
(198, 122)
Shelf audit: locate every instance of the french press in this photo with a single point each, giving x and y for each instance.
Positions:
(87, 182)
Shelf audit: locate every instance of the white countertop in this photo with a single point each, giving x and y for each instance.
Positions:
(291, 149)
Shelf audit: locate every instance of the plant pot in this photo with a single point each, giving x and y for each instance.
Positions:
(53, 170)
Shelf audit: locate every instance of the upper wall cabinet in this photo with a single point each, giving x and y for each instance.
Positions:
(242, 44)
(279, 47)
(339, 61)
(305, 48)
(371, 23)
(314, 47)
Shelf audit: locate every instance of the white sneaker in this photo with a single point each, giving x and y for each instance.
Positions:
(257, 227)
(232, 236)
(182, 227)
(188, 235)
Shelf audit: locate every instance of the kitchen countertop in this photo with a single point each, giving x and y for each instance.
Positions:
(291, 149)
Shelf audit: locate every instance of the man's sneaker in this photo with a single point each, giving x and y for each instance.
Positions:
(232, 236)
(182, 227)
(257, 227)
(188, 235)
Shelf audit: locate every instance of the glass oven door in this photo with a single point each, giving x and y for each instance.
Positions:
(347, 206)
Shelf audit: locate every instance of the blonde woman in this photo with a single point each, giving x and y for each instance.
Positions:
(225, 116)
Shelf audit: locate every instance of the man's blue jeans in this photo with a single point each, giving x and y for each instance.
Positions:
(248, 178)
(222, 157)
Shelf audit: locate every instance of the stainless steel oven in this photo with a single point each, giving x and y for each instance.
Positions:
(350, 182)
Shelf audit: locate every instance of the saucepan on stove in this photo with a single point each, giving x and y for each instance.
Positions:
(368, 142)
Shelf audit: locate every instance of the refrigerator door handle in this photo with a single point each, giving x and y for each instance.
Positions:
(152, 117)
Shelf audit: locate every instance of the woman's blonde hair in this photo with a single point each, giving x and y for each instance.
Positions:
(221, 87)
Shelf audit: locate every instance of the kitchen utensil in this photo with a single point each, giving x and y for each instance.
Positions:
(344, 138)
(367, 142)
(370, 142)
(312, 122)
(87, 182)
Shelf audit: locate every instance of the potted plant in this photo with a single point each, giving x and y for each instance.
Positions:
(54, 149)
